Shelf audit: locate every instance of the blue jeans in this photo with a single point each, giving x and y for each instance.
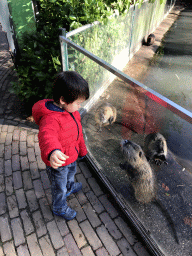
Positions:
(61, 179)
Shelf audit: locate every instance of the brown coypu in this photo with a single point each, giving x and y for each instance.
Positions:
(139, 170)
(142, 179)
(155, 148)
(105, 114)
(149, 40)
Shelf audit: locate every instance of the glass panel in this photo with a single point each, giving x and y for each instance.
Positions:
(121, 36)
(169, 4)
(168, 217)
(160, 11)
(109, 40)
(114, 42)
(97, 77)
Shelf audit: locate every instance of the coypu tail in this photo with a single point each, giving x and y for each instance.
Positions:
(168, 217)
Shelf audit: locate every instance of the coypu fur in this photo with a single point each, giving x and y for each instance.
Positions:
(140, 173)
(143, 179)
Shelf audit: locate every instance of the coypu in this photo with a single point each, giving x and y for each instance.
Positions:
(142, 179)
(155, 148)
(140, 173)
(148, 40)
(105, 114)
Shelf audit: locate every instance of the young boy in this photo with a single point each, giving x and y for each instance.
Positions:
(60, 137)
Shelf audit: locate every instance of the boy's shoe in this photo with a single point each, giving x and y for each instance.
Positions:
(77, 186)
(69, 214)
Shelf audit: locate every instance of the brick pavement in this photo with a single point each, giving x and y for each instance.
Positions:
(27, 225)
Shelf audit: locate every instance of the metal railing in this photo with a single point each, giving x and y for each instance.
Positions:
(157, 97)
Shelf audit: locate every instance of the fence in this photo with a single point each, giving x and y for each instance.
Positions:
(144, 111)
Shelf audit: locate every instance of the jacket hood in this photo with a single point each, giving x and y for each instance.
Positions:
(39, 110)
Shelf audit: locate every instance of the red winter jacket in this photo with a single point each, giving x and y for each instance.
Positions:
(59, 130)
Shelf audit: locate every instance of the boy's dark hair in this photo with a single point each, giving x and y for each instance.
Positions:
(70, 86)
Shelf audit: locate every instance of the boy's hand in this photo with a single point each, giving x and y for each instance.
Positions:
(57, 159)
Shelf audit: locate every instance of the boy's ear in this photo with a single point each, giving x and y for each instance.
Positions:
(61, 100)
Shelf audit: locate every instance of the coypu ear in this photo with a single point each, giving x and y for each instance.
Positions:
(140, 153)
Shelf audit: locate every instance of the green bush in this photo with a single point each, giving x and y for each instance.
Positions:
(40, 61)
